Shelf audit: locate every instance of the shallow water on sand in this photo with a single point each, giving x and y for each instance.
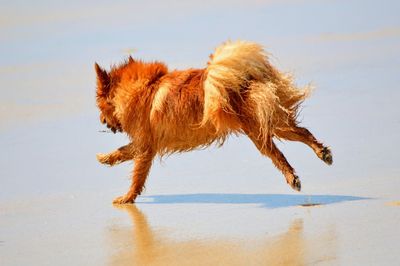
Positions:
(199, 229)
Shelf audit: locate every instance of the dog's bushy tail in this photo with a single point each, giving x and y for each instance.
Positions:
(241, 70)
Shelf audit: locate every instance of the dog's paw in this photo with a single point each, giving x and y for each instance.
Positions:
(104, 158)
(326, 156)
(126, 199)
(295, 183)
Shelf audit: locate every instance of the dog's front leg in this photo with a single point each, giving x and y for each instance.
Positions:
(142, 167)
(125, 153)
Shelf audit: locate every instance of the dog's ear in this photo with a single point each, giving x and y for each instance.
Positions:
(103, 80)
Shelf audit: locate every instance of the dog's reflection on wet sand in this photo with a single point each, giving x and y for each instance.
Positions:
(142, 245)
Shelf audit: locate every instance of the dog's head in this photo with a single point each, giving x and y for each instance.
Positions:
(104, 99)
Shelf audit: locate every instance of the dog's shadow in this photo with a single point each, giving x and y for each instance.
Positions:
(264, 200)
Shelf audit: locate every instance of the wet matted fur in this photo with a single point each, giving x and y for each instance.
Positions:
(164, 111)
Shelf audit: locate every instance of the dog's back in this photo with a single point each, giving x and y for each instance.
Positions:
(239, 86)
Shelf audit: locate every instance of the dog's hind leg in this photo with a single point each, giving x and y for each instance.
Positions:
(124, 153)
(303, 135)
(268, 148)
(141, 170)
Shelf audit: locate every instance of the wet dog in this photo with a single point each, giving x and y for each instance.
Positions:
(165, 112)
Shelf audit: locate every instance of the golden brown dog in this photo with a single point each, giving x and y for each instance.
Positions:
(165, 111)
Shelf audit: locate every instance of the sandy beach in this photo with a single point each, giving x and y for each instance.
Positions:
(201, 229)
(218, 206)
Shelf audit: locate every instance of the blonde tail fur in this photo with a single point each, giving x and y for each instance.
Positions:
(241, 69)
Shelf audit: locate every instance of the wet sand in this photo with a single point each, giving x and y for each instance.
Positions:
(200, 229)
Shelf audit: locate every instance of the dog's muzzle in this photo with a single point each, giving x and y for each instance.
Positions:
(115, 129)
